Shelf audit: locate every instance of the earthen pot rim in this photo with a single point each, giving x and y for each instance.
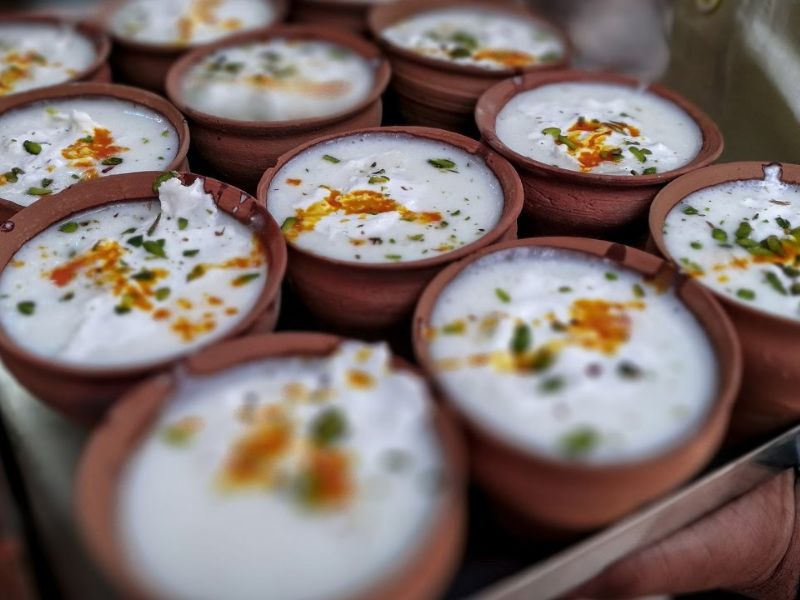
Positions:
(729, 373)
(146, 400)
(500, 167)
(38, 217)
(668, 197)
(378, 20)
(92, 32)
(495, 99)
(115, 91)
(109, 10)
(361, 46)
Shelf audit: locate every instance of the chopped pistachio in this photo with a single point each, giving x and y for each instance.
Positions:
(167, 175)
(774, 281)
(190, 252)
(442, 163)
(182, 223)
(288, 224)
(111, 161)
(162, 293)
(328, 427)
(331, 159)
(689, 210)
(37, 191)
(502, 295)
(27, 307)
(522, 339)
(719, 234)
(32, 147)
(156, 248)
(245, 279)
(136, 241)
(552, 384)
(579, 442)
(745, 294)
(70, 227)
(611, 276)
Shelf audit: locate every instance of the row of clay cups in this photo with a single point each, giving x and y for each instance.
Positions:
(353, 297)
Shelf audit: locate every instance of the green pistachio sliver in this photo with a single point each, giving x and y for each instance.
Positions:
(167, 175)
(638, 290)
(783, 223)
(328, 427)
(152, 229)
(650, 171)
(459, 52)
(628, 370)
(135, 241)
(502, 295)
(121, 309)
(745, 294)
(46, 182)
(579, 442)
(156, 248)
(417, 237)
(794, 290)
(637, 152)
(393, 257)
(611, 276)
(246, 278)
(689, 210)
(774, 244)
(744, 230)
(442, 163)
(465, 39)
(32, 147)
(162, 293)
(552, 384)
(454, 328)
(38, 191)
(552, 131)
(288, 224)
(331, 159)
(377, 179)
(522, 339)
(719, 234)
(182, 223)
(111, 161)
(27, 307)
(144, 275)
(696, 245)
(775, 282)
(70, 227)
(189, 253)
(746, 242)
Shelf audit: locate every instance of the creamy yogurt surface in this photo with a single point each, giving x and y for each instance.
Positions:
(479, 37)
(48, 146)
(742, 239)
(279, 80)
(133, 282)
(34, 55)
(381, 197)
(571, 356)
(284, 478)
(189, 22)
(600, 128)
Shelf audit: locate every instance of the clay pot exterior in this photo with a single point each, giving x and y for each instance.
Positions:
(98, 71)
(569, 497)
(84, 393)
(563, 202)
(357, 297)
(146, 65)
(343, 14)
(240, 151)
(436, 93)
(119, 92)
(769, 399)
(424, 576)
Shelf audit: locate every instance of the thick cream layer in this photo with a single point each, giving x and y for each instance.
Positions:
(379, 198)
(279, 80)
(480, 37)
(189, 22)
(48, 146)
(742, 239)
(571, 356)
(133, 282)
(34, 55)
(599, 128)
(284, 478)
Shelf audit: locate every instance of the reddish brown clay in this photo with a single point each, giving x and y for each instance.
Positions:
(769, 398)
(559, 201)
(436, 93)
(567, 496)
(120, 92)
(146, 65)
(241, 150)
(97, 71)
(374, 297)
(423, 576)
(344, 14)
(84, 393)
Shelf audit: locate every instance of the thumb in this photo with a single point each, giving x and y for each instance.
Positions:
(738, 547)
